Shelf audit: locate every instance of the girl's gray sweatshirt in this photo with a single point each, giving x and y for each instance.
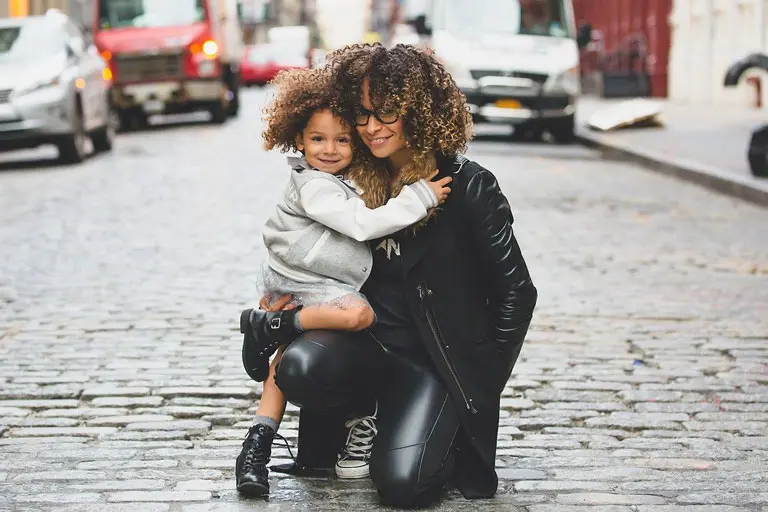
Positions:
(319, 228)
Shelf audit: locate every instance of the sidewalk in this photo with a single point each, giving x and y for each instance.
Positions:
(703, 144)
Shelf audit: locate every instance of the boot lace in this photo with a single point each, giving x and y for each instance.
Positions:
(256, 454)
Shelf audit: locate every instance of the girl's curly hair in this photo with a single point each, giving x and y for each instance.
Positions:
(412, 82)
(299, 94)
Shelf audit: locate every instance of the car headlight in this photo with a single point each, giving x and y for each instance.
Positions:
(569, 82)
(36, 86)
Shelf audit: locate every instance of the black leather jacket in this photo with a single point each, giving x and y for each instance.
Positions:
(469, 289)
(471, 297)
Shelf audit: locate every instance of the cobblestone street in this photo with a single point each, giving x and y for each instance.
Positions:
(643, 386)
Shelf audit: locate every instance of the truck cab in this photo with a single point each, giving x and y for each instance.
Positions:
(517, 61)
(169, 57)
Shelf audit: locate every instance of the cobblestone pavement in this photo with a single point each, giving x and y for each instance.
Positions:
(643, 386)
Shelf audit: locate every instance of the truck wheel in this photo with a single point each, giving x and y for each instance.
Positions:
(234, 103)
(130, 122)
(72, 147)
(563, 130)
(219, 113)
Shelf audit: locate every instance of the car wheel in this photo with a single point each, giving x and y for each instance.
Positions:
(219, 113)
(72, 147)
(104, 138)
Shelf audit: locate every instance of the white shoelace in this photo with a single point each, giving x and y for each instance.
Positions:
(362, 431)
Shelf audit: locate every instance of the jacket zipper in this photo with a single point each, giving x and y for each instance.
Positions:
(428, 314)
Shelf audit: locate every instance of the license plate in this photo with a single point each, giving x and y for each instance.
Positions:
(506, 103)
(6, 112)
(153, 106)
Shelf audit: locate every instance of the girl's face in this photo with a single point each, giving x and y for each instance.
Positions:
(326, 142)
(382, 132)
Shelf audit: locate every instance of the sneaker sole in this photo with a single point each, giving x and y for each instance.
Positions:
(353, 473)
(253, 490)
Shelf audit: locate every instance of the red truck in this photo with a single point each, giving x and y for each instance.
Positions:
(170, 56)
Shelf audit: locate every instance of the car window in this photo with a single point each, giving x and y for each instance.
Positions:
(32, 39)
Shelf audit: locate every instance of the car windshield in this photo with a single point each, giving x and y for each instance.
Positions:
(149, 13)
(32, 39)
(531, 17)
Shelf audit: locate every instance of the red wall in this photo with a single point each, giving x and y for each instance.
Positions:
(629, 24)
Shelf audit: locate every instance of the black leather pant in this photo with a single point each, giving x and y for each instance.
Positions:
(413, 455)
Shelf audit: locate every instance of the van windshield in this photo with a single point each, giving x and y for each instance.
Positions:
(149, 13)
(530, 17)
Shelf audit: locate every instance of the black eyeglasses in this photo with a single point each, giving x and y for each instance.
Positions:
(363, 115)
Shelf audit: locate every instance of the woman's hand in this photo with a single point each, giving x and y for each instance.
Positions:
(267, 304)
(440, 187)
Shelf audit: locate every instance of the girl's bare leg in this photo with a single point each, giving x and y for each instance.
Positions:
(272, 403)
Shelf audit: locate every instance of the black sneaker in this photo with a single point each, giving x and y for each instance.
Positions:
(251, 473)
(263, 333)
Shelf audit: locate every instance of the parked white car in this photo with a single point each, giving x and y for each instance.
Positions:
(54, 88)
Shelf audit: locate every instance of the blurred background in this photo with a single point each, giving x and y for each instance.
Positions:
(536, 66)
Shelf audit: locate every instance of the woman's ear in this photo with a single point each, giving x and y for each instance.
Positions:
(300, 142)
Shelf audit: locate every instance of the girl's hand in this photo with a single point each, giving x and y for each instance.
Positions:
(283, 302)
(440, 187)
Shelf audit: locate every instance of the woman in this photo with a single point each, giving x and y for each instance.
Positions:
(452, 297)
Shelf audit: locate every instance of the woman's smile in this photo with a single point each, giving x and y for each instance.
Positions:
(378, 141)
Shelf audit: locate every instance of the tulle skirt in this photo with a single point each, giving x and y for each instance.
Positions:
(328, 292)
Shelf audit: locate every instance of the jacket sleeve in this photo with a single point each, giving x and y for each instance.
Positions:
(325, 202)
(490, 221)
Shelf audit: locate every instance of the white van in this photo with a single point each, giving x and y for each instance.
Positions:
(517, 61)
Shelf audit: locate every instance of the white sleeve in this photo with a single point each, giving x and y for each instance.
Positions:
(325, 202)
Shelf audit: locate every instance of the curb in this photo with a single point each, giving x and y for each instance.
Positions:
(694, 172)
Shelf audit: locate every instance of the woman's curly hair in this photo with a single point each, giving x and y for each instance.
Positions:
(299, 94)
(412, 82)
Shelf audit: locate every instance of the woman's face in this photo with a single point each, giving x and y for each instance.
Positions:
(385, 140)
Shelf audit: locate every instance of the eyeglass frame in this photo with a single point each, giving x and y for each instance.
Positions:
(367, 113)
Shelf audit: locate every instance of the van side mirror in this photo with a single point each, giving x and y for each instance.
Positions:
(584, 35)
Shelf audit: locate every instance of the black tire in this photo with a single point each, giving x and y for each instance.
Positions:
(563, 131)
(234, 103)
(72, 147)
(527, 134)
(132, 121)
(757, 154)
(104, 138)
(219, 113)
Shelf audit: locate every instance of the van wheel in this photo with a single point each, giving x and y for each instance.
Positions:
(563, 130)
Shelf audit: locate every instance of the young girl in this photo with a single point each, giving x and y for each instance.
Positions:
(317, 254)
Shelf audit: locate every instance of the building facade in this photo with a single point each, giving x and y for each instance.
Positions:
(708, 36)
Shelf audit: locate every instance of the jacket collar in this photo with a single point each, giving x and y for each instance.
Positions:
(298, 163)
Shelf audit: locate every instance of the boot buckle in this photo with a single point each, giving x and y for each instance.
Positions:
(274, 323)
